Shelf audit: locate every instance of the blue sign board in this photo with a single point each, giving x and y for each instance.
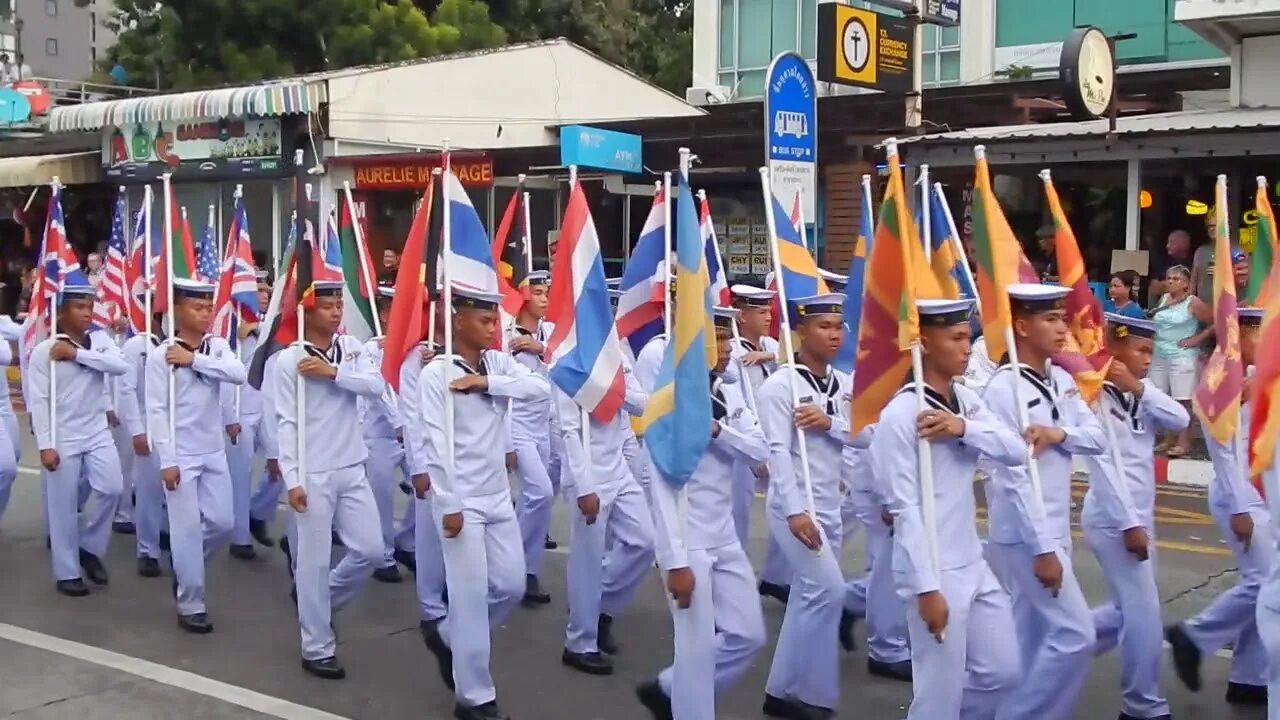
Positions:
(791, 137)
(14, 106)
(601, 149)
(942, 12)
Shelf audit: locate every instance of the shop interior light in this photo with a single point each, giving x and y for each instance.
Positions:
(1144, 199)
(1195, 207)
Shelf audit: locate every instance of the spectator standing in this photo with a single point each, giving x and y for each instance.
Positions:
(1120, 293)
(1177, 251)
(390, 266)
(1176, 349)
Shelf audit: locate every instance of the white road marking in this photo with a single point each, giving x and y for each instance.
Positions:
(191, 682)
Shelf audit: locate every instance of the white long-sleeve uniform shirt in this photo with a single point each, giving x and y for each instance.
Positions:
(953, 461)
(479, 465)
(600, 469)
(333, 440)
(415, 438)
(82, 393)
(252, 402)
(131, 404)
(1015, 514)
(531, 419)
(380, 417)
(200, 416)
(1230, 488)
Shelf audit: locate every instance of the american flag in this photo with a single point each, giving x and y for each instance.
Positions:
(207, 257)
(58, 268)
(237, 297)
(113, 295)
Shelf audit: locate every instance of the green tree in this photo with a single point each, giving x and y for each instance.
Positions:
(190, 43)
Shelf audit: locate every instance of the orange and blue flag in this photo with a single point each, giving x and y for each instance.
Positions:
(847, 355)
(1218, 396)
(797, 275)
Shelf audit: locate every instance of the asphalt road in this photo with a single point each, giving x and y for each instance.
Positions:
(119, 653)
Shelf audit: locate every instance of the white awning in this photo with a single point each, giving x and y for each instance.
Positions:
(80, 168)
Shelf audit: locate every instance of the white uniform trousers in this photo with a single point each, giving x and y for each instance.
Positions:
(1231, 619)
(876, 597)
(240, 457)
(148, 512)
(603, 582)
(484, 567)
(124, 449)
(744, 493)
(200, 520)
(968, 675)
(806, 660)
(717, 636)
(386, 456)
(533, 455)
(90, 479)
(1131, 620)
(8, 467)
(266, 499)
(337, 501)
(429, 562)
(1268, 619)
(1055, 635)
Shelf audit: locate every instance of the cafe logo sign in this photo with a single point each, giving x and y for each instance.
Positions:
(173, 143)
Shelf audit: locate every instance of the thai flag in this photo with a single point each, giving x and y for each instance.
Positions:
(468, 250)
(58, 268)
(236, 299)
(644, 281)
(584, 353)
(113, 296)
(715, 268)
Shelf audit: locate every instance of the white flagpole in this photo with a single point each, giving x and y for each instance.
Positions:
(956, 244)
(235, 316)
(148, 275)
(586, 416)
(366, 272)
(528, 230)
(431, 307)
(926, 222)
(446, 230)
(300, 382)
(667, 270)
(53, 331)
(785, 333)
(166, 181)
(213, 236)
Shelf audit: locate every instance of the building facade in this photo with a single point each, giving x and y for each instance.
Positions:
(63, 39)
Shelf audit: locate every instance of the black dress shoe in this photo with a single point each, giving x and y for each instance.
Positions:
(123, 528)
(805, 711)
(388, 574)
(336, 539)
(406, 488)
(243, 552)
(604, 636)
(325, 668)
(487, 711)
(1127, 716)
(437, 646)
(93, 568)
(1186, 656)
(195, 623)
(288, 555)
(654, 700)
(258, 530)
(592, 663)
(549, 544)
(148, 567)
(775, 591)
(407, 559)
(73, 588)
(778, 707)
(165, 545)
(1242, 694)
(900, 671)
(533, 595)
(847, 621)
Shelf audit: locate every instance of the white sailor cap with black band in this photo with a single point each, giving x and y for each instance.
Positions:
(832, 278)
(824, 304)
(327, 288)
(188, 288)
(1123, 326)
(944, 313)
(538, 277)
(751, 295)
(724, 317)
(1249, 316)
(1034, 298)
(465, 298)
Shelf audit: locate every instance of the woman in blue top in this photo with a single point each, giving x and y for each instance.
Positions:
(1120, 292)
(1176, 352)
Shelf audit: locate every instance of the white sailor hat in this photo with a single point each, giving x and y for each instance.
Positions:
(613, 282)
(261, 275)
(614, 294)
(832, 277)
(1249, 315)
(77, 292)
(386, 292)
(751, 295)
(327, 288)
(465, 298)
(1123, 326)
(944, 313)
(724, 316)
(187, 287)
(540, 277)
(825, 304)
(1036, 297)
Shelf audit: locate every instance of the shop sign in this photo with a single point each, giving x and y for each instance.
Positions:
(863, 48)
(791, 131)
(473, 171)
(942, 12)
(601, 149)
(199, 148)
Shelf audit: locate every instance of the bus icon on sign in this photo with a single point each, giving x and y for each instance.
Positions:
(790, 123)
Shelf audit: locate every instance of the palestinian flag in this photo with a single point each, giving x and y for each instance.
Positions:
(358, 292)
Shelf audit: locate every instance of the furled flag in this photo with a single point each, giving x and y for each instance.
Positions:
(715, 266)
(236, 299)
(1264, 420)
(846, 356)
(138, 277)
(644, 281)
(677, 420)
(1266, 252)
(797, 275)
(583, 352)
(775, 318)
(206, 269)
(999, 259)
(176, 243)
(896, 276)
(944, 260)
(416, 289)
(113, 293)
(357, 288)
(511, 255)
(1217, 398)
(1085, 355)
(58, 268)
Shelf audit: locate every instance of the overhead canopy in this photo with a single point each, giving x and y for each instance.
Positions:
(71, 169)
(288, 97)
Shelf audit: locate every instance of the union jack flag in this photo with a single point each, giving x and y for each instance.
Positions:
(113, 297)
(138, 278)
(236, 299)
(58, 268)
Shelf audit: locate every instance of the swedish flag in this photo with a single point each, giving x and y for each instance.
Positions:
(677, 420)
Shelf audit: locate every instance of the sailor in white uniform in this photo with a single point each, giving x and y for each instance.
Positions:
(1268, 616)
(484, 561)
(718, 623)
(808, 399)
(79, 452)
(148, 512)
(1029, 542)
(189, 444)
(964, 655)
(1241, 516)
(123, 522)
(334, 494)
(835, 281)
(1119, 515)
(10, 441)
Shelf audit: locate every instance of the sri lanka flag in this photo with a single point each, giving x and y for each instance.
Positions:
(1217, 398)
(1264, 421)
(999, 259)
(1266, 248)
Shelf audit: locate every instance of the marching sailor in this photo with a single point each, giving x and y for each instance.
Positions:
(1030, 537)
(148, 512)
(334, 496)
(964, 656)
(480, 538)
(1119, 515)
(192, 458)
(718, 623)
(84, 452)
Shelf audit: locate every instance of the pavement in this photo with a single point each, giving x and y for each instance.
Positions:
(119, 653)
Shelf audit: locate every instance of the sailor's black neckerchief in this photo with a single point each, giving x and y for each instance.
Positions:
(751, 347)
(523, 332)
(467, 369)
(202, 348)
(936, 400)
(333, 355)
(1047, 388)
(1128, 406)
(719, 408)
(88, 339)
(825, 387)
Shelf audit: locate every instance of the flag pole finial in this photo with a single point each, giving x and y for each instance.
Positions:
(573, 176)
(1262, 181)
(979, 152)
(1046, 175)
(239, 193)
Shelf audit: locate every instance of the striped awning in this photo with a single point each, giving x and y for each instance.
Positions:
(284, 98)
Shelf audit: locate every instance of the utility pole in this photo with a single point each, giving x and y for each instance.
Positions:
(915, 98)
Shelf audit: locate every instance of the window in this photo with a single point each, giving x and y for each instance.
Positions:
(51, 8)
(51, 46)
(941, 55)
(752, 32)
